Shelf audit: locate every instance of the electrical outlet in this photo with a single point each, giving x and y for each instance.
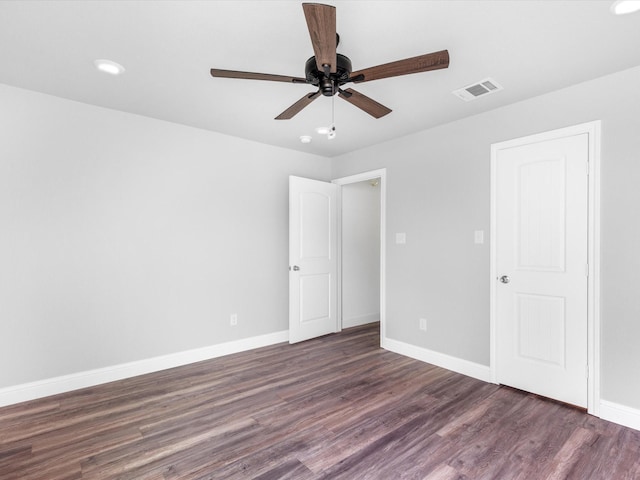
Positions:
(234, 319)
(423, 324)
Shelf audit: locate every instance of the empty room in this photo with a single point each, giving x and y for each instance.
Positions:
(344, 240)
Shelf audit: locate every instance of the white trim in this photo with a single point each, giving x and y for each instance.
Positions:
(593, 130)
(455, 364)
(594, 400)
(339, 319)
(360, 177)
(620, 414)
(90, 378)
(493, 227)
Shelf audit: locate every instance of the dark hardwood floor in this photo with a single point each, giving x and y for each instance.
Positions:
(337, 407)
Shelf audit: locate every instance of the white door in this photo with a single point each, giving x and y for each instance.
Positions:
(541, 256)
(312, 259)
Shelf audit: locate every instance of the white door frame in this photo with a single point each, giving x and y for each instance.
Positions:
(360, 177)
(592, 129)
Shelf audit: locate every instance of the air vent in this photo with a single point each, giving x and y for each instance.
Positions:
(480, 89)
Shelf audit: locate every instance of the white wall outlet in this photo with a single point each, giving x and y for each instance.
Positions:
(401, 238)
(233, 319)
(423, 324)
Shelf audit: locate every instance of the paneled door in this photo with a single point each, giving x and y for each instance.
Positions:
(541, 262)
(312, 259)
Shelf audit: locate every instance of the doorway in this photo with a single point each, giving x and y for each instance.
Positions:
(361, 251)
(544, 264)
(360, 244)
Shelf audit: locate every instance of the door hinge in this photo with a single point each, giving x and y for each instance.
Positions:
(586, 270)
(586, 371)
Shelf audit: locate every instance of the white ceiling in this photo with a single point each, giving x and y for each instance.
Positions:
(168, 47)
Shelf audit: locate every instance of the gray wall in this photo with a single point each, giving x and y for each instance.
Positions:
(125, 238)
(438, 184)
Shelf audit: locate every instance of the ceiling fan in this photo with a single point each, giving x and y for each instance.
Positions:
(329, 70)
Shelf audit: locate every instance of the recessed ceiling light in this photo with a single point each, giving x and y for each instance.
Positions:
(108, 66)
(622, 7)
(305, 138)
(323, 130)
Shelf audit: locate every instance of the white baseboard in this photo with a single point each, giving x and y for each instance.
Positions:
(620, 414)
(360, 320)
(90, 378)
(458, 365)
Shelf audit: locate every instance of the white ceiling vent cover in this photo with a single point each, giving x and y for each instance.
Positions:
(479, 89)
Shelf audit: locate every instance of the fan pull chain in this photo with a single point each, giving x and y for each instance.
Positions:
(332, 130)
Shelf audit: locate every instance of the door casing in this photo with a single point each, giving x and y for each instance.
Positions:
(592, 129)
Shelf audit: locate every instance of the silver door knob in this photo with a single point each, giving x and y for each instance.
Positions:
(504, 279)
(296, 268)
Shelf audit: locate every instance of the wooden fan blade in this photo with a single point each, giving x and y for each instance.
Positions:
(321, 21)
(216, 72)
(365, 103)
(299, 105)
(421, 63)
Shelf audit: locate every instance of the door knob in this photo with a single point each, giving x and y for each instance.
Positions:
(296, 268)
(504, 279)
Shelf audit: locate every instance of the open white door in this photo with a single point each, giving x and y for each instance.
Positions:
(541, 267)
(312, 258)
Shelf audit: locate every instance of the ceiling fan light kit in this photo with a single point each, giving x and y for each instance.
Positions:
(328, 70)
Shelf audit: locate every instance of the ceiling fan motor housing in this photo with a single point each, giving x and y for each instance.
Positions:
(328, 85)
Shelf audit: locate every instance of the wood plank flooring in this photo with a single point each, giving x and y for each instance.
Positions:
(337, 407)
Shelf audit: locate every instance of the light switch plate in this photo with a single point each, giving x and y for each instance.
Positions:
(423, 324)
(478, 236)
(401, 238)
